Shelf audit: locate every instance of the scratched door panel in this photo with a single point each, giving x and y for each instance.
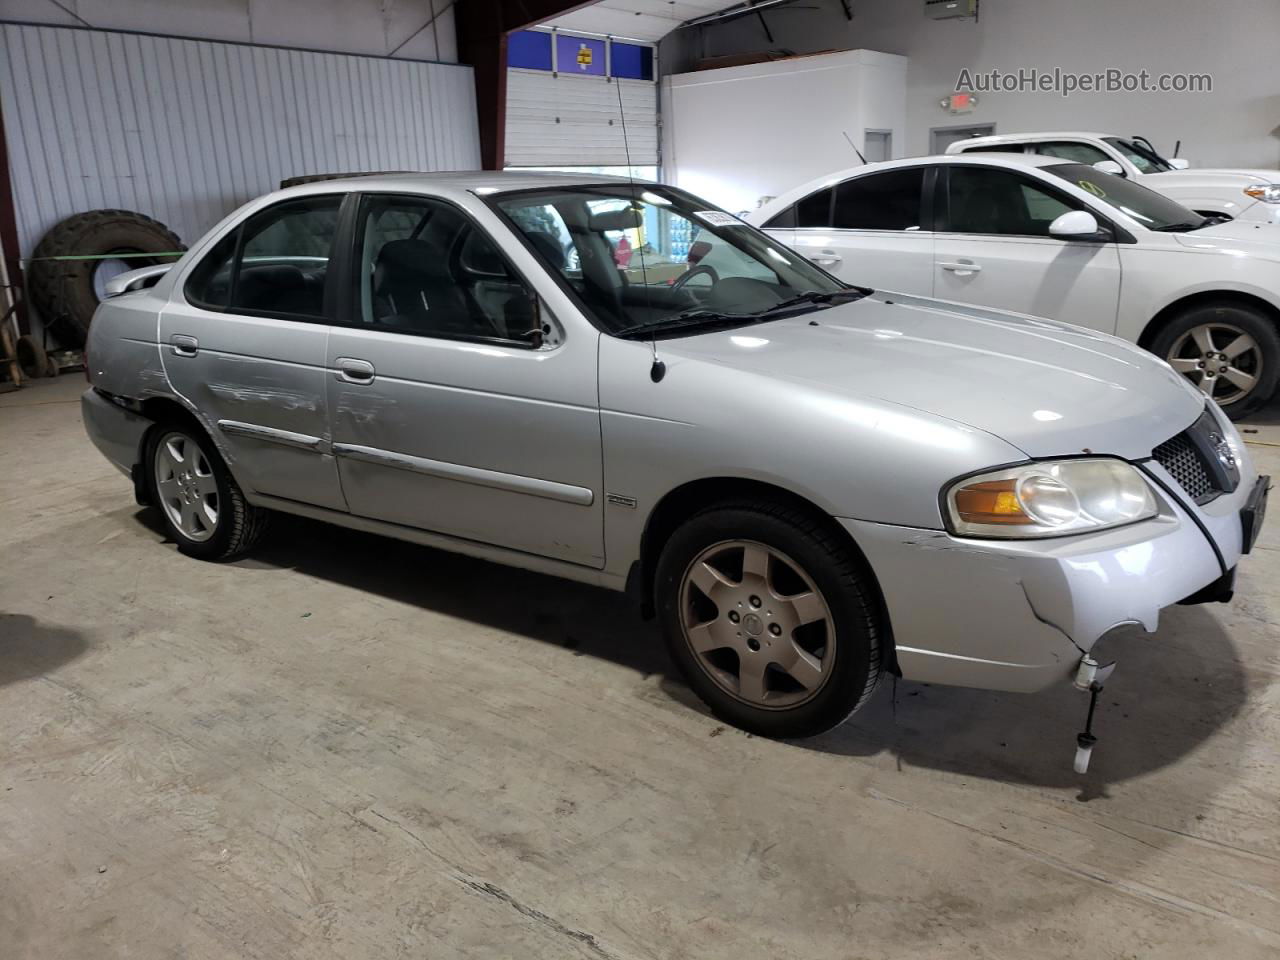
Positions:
(259, 385)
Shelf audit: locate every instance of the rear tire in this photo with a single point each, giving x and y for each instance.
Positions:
(1230, 351)
(773, 619)
(202, 506)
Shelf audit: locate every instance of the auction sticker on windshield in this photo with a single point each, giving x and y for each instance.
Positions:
(718, 219)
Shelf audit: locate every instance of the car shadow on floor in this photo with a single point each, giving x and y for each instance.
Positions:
(29, 648)
(1170, 692)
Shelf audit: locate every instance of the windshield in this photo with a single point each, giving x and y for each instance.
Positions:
(648, 259)
(1153, 210)
(1140, 155)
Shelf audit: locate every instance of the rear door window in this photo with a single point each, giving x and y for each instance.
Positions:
(275, 264)
(881, 201)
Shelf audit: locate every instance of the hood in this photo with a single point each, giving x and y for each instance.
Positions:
(1047, 388)
(1210, 176)
(1253, 238)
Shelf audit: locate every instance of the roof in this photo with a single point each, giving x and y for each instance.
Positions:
(1046, 135)
(462, 181)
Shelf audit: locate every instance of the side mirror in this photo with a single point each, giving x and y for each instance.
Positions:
(1180, 163)
(1109, 166)
(1075, 225)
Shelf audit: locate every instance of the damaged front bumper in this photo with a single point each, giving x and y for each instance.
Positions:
(1020, 615)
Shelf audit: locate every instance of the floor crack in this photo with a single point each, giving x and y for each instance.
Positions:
(491, 890)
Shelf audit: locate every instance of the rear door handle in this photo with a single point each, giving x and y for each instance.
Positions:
(355, 371)
(184, 346)
(961, 269)
(827, 258)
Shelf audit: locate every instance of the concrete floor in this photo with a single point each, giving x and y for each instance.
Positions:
(350, 747)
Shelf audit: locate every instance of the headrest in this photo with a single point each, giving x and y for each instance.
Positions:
(628, 218)
(415, 255)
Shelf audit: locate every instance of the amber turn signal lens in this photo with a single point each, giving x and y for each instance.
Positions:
(991, 501)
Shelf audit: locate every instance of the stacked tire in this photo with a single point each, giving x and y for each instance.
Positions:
(65, 292)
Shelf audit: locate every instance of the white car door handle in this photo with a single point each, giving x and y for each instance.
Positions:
(826, 257)
(961, 269)
(355, 371)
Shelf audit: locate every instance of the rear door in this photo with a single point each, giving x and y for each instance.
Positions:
(871, 230)
(244, 343)
(448, 414)
(993, 249)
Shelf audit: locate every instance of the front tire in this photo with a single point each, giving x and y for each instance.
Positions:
(772, 618)
(201, 504)
(1231, 352)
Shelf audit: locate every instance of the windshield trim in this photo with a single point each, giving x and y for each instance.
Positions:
(494, 202)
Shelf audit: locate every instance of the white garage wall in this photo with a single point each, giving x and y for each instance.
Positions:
(1234, 40)
(185, 131)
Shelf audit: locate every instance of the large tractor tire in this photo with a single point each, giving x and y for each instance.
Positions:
(66, 292)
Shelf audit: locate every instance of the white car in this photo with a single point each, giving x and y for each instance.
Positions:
(1043, 236)
(1239, 194)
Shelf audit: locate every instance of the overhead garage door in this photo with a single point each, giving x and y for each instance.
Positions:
(567, 113)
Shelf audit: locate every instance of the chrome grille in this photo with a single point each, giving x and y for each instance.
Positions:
(1180, 457)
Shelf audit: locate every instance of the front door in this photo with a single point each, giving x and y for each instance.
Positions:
(449, 414)
(244, 343)
(993, 249)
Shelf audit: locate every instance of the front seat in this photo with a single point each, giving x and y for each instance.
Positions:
(413, 288)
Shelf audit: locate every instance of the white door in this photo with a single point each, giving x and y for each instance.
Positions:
(878, 145)
(870, 231)
(993, 249)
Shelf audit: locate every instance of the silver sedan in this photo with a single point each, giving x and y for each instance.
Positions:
(810, 484)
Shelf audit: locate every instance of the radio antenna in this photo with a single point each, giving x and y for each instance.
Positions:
(855, 149)
(658, 369)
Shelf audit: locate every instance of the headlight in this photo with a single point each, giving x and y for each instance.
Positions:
(1266, 192)
(1049, 499)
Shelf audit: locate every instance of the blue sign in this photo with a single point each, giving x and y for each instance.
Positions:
(579, 55)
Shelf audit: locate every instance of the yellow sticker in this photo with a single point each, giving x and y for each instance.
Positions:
(584, 56)
(1090, 187)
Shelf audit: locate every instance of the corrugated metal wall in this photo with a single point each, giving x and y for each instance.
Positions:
(185, 130)
(565, 120)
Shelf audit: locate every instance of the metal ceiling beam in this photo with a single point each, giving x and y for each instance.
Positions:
(483, 27)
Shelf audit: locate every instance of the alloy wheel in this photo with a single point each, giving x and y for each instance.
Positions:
(1222, 360)
(186, 487)
(757, 624)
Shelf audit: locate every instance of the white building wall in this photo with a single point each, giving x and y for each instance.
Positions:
(737, 134)
(185, 131)
(1238, 124)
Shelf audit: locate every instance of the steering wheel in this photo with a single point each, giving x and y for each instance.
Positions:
(695, 272)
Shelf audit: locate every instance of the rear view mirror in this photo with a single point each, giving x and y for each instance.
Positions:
(1109, 166)
(1179, 163)
(1075, 225)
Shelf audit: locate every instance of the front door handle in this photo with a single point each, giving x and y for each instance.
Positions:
(355, 371)
(963, 268)
(184, 346)
(826, 258)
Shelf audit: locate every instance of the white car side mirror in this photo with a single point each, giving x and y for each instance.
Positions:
(1109, 166)
(1179, 163)
(1075, 225)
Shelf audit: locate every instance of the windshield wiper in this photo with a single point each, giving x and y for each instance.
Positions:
(1181, 227)
(689, 318)
(815, 297)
